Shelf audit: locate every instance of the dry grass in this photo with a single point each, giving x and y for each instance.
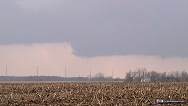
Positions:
(84, 94)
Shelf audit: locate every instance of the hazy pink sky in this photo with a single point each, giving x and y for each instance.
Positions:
(52, 58)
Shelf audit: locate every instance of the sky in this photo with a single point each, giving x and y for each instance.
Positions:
(101, 35)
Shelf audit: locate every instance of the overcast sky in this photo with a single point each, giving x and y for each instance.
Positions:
(97, 28)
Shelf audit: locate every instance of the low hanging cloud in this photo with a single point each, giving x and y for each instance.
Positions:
(53, 58)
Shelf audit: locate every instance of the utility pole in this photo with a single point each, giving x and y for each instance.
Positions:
(6, 73)
(37, 79)
(112, 73)
(90, 74)
(37, 71)
(65, 72)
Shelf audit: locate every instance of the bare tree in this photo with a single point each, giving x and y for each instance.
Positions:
(99, 75)
(154, 76)
(183, 76)
(129, 76)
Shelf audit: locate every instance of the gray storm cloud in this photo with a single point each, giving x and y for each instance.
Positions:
(52, 58)
(99, 27)
(101, 35)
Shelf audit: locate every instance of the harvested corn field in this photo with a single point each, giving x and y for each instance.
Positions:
(91, 93)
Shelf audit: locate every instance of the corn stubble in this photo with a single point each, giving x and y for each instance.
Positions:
(91, 93)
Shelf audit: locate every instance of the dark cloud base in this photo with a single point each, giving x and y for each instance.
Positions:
(99, 28)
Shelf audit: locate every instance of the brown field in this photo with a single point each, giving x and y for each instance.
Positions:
(91, 93)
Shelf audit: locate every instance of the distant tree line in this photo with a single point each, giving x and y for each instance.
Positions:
(142, 75)
(137, 75)
(98, 77)
(101, 77)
